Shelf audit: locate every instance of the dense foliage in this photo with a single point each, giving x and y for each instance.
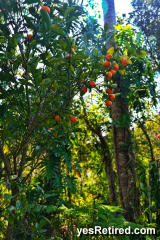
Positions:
(57, 172)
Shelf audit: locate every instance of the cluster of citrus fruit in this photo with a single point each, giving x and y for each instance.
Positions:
(84, 88)
(109, 74)
(107, 64)
(72, 119)
(111, 97)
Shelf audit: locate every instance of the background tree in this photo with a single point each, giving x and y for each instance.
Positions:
(146, 17)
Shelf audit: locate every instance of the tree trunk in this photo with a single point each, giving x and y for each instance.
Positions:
(107, 160)
(109, 171)
(15, 192)
(125, 161)
(123, 151)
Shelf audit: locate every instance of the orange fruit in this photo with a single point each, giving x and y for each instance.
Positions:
(111, 97)
(84, 89)
(124, 62)
(57, 118)
(73, 119)
(106, 64)
(25, 74)
(92, 84)
(109, 75)
(108, 103)
(108, 57)
(109, 91)
(113, 72)
(116, 67)
(30, 37)
(47, 9)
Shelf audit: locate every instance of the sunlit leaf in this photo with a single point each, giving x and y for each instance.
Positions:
(110, 50)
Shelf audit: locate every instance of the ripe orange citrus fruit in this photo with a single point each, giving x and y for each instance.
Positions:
(92, 84)
(124, 62)
(109, 91)
(106, 64)
(47, 9)
(108, 57)
(116, 67)
(109, 75)
(25, 74)
(73, 119)
(84, 89)
(111, 97)
(30, 37)
(108, 103)
(57, 118)
(113, 72)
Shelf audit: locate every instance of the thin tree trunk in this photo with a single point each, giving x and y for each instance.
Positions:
(107, 160)
(109, 171)
(9, 234)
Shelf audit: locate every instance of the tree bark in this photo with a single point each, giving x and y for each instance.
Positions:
(125, 160)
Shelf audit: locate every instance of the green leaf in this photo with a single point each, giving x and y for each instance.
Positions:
(68, 11)
(25, 82)
(44, 27)
(46, 18)
(142, 54)
(62, 44)
(106, 27)
(8, 196)
(73, 18)
(51, 208)
(18, 204)
(13, 41)
(79, 57)
(31, 1)
(121, 66)
(57, 61)
(41, 189)
(42, 223)
(46, 219)
(56, 28)
(29, 23)
(45, 81)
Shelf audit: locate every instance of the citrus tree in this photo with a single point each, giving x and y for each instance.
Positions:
(43, 65)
